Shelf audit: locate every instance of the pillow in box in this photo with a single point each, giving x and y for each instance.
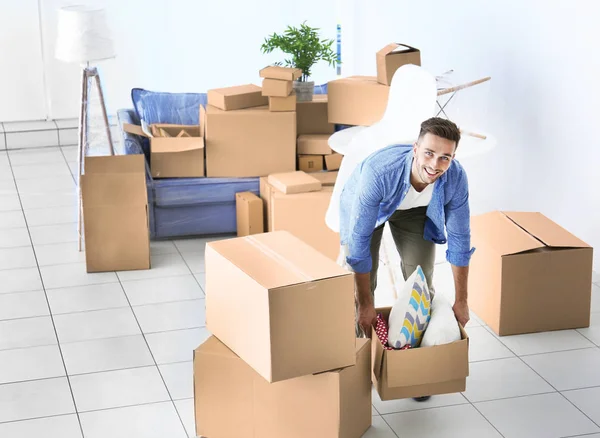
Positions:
(443, 326)
(410, 313)
(162, 107)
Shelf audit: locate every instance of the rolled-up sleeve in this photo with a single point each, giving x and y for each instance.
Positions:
(363, 217)
(458, 224)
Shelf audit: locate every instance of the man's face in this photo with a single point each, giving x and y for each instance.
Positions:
(432, 157)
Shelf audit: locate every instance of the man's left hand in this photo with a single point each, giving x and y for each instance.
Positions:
(461, 311)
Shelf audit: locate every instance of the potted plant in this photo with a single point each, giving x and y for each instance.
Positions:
(306, 49)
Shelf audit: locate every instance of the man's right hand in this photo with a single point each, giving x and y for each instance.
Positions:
(367, 318)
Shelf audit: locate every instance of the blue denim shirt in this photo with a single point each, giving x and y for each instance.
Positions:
(375, 190)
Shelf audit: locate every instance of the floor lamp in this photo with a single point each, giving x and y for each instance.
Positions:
(84, 37)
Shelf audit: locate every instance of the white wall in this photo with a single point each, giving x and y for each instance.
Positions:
(542, 103)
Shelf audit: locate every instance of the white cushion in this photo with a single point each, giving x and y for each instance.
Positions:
(443, 326)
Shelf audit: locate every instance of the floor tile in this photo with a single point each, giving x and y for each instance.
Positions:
(74, 274)
(47, 234)
(106, 354)
(593, 331)
(485, 346)
(177, 345)
(27, 126)
(46, 184)
(33, 139)
(32, 201)
(63, 426)
(70, 152)
(588, 400)
(180, 315)
(27, 332)
(568, 369)
(461, 421)
(547, 415)
(191, 245)
(11, 219)
(503, 378)
(158, 420)
(35, 171)
(36, 156)
(67, 123)
(379, 429)
(14, 238)
(23, 305)
(595, 305)
(7, 184)
(179, 378)
(201, 280)
(163, 265)
(20, 280)
(21, 364)
(596, 277)
(86, 298)
(195, 260)
(38, 398)
(113, 389)
(158, 247)
(162, 290)
(10, 202)
(405, 405)
(59, 254)
(185, 408)
(545, 342)
(19, 257)
(67, 137)
(98, 324)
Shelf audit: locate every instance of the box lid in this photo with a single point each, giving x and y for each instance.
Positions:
(278, 72)
(545, 230)
(294, 182)
(292, 260)
(395, 48)
(237, 90)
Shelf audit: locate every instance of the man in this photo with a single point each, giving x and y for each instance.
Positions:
(418, 191)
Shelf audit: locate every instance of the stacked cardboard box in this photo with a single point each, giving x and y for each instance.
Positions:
(314, 153)
(266, 354)
(278, 87)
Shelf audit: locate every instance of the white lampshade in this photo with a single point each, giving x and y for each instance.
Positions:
(83, 35)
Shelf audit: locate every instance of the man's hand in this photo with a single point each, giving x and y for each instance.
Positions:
(367, 318)
(461, 311)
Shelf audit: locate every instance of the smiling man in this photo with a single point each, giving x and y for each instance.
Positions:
(421, 192)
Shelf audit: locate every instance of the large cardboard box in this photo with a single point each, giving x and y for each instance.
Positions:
(250, 142)
(421, 371)
(115, 213)
(249, 214)
(312, 116)
(236, 97)
(392, 57)
(231, 400)
(263, 294)
(314, 144)
(528, 274)
(310, 163)
(356, 100)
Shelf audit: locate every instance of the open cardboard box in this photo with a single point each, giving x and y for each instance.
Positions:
(421, 371)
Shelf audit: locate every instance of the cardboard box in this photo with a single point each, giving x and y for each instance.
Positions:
(392, 57)
(312, 116)
(265, 195)
(356, 100)
(294, 182)
(276, 87)
(231, 400)
(326, 178)
(281, 73)
(249, 214)
(310, 163)
(115, 213)
(314, 144)
(528, 274)
(250, 142)
(333, 161)
(416, 372)
(237, 97)
(287, 103)
(259, 291)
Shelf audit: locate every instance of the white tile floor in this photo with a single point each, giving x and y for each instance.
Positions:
(109, 355)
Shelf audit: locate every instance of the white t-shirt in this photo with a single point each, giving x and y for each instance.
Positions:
(415, 199)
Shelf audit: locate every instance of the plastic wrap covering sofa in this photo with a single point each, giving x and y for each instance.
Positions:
(183, 206)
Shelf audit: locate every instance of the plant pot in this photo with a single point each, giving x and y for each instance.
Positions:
(304, 91)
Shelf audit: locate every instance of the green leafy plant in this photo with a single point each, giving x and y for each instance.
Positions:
(304, 46)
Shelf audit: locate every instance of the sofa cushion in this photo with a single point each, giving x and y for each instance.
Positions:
(162, 107)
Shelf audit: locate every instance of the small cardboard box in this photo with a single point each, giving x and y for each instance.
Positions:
(281, 73)
(231, 400)
(276, 87)
(392, 57)
(312, 116)
(421, 371)
(259, 291)
(333, 161)
(294, 182)
(310, 163)
(250, 142)
(236, 97)
(115, 213)
(314, 144)
(287, 103)
(356, 100)
(249, 214)
(528, 274)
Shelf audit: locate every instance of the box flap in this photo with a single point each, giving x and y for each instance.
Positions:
(134, 163)
(278, 72)
(502, 234)
(202, 121)
(294, 182)
(395, 48)
(237, 90)
(545, 230)
(212, 346)
(134, 129)
(168, 145)
(292, 260)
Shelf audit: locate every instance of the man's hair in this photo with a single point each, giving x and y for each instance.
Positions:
(441, 128)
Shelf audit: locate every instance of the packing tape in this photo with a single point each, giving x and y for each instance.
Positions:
(281, 259)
